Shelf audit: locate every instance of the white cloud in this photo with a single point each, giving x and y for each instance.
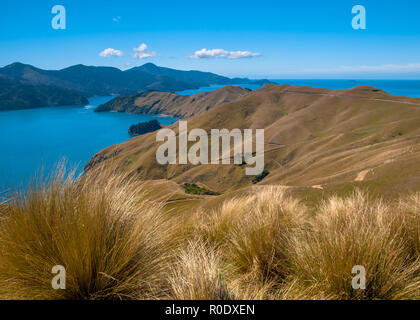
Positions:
(116, 19)
(221, 53)
(385, 68)
(110, 52)
(144, 55)
(141, 48)
(141, 52)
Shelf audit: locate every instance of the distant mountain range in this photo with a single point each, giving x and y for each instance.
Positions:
(172, 104)
(24, 86)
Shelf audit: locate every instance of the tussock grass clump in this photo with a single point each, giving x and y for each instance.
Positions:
(253, 232)
(113, 243)
(357, 231)
(409, 211)
(259, 242)
(197, 275)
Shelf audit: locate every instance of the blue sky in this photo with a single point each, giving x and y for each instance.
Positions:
(271, 39)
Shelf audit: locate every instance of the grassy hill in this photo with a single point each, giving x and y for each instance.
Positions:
(324, 140)
(167, 103)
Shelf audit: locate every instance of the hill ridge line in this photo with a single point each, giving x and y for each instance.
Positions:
(353, 96)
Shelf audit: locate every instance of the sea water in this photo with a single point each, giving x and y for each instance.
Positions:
(35, 139)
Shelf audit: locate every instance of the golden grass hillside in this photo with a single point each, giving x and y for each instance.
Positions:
(331, 140)
(117, 242)
(167, 103)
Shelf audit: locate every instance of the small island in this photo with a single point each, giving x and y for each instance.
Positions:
(144, 127)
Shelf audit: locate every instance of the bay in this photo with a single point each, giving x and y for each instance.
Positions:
(35, 139)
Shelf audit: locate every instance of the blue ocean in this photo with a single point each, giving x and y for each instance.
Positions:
(37, 139)
(408, 88)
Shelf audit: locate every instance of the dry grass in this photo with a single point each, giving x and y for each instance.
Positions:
(117, 244)
(357, 231)
(197, 275)
(409, 209)
(113, 243)
(272, 245)
(254, 232)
